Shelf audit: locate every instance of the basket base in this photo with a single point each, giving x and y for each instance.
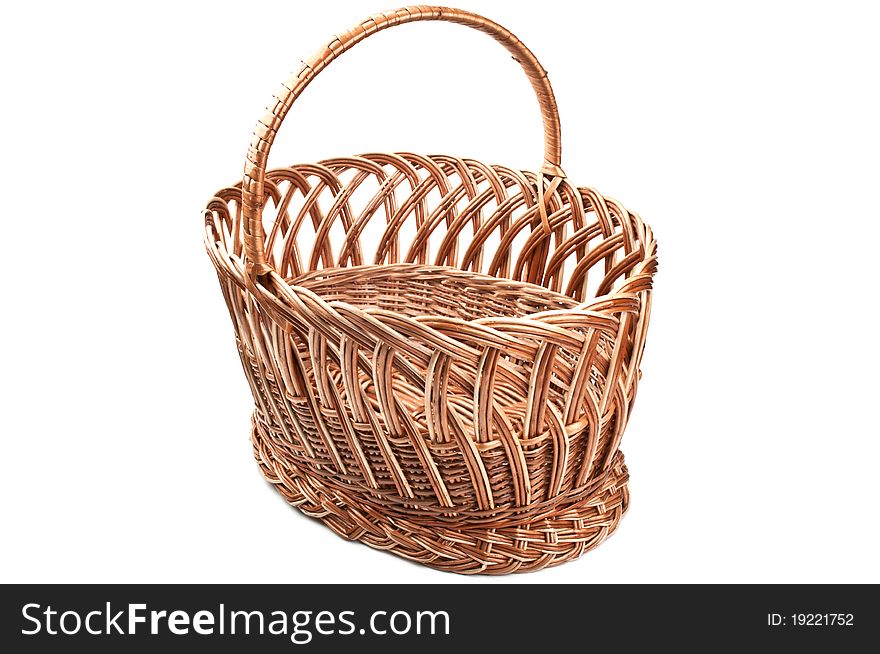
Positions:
(567, 533)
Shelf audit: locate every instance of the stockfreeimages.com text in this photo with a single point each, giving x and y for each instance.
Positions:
(300, 626)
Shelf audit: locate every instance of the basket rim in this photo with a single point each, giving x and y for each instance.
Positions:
(607, 307)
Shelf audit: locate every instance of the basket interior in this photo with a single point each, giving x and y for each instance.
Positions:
(414, 290)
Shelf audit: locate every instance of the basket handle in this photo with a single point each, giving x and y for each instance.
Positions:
(252, 192)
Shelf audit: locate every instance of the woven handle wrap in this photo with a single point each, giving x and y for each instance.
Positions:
(266, 129)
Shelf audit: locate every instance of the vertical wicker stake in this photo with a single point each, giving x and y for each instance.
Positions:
(456, 396)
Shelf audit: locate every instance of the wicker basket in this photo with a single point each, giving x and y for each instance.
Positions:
(443, 354)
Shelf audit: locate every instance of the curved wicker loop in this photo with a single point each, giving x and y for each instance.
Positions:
(253, 196)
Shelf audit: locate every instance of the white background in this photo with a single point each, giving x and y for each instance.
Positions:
(746, 135)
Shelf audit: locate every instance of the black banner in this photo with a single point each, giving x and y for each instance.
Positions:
(318, 618)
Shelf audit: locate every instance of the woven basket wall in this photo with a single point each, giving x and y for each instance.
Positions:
(443, 354)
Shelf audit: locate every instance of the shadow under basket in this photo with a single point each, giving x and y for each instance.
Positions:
(443, 354)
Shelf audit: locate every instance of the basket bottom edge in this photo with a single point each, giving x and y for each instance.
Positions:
(522, 547)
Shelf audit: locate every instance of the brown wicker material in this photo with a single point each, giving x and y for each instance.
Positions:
(443, 353)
